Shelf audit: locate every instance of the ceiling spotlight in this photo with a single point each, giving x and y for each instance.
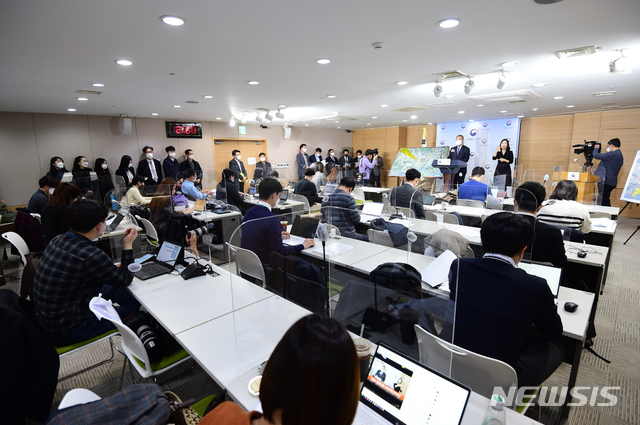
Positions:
(306, 125)
(208, 96)
(383, 106)
(413, 117)
(480, 104)
(218, 118)
(402, 83)
(469, 86)
(232, 122)
(534, 109)
(174, 21)
(461, 112)
(124, 62)
(571, 106)
(177, 106)
(258, 118)
(557, 97)
(429, 123)
(243, 120)
(502, 79)
(449, 23)
(503, 112)
(71, 109)
(508, 64)
(154, 114)
(437, 90)
(253, 82)
(268, 116)
(449, 96)
(279, 115)
(82, 98)
(368, 123)
(520, 116)
(405, 120)
(622, 65)
(97, 85)
(323, 61)
(373, 118)
(331, 96)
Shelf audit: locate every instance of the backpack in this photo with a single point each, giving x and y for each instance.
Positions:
(140, 211)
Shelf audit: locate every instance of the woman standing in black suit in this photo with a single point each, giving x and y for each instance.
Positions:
(504, 155)
(125, 170)
(82, 176)
(57, 169)
(104, 179)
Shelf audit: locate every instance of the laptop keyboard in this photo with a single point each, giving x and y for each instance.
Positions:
(366, 416)
(154, 268)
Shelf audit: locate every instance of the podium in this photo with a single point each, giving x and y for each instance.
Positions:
(586, 183)
(449, 170)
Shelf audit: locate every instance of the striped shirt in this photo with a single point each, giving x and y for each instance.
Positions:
(564, 213)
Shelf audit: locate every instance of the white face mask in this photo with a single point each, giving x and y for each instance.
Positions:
(85, 164)
(101, 233)
(60, 165)
(191, 157)
(331, 154)
(172, 154)
(263, 159)
(304, 150)
(238, 157)
(105, 166)
(608, 149)
(51, 190)
(129, 164)
(149, 156)
(359, 156)
(458, 142)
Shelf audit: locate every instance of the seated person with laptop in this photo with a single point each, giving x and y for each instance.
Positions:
(340, 209)
(406, 196)
(188, 186)
(307, 188)
(548, 245)
(474, 188)
(73, 270)
(261, 230)
(497, 303)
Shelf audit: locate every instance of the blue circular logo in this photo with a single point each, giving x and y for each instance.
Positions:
(473, 154)
(508, 122)
(441, 142)
(488, 166)
(473, 132)
(484, 141)
(443, 127)
(486, 124)
(463, 126)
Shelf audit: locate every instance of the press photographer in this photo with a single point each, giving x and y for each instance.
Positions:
(610, 163)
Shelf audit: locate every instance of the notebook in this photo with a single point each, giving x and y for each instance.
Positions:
(162, 264)
(371, 211)
(400, 390)
(199, 205)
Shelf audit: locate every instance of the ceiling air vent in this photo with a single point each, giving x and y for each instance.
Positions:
(605, 93)
(88, 92)
(410, 109)
(610, 105)
(450, 74)
(191, 101)
(511, 96)
(442, 104)
(579, 51)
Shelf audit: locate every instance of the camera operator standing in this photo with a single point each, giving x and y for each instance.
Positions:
(375, 174)
(610, 163)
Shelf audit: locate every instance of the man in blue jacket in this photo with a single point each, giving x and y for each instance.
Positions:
(261, 230)
(609, 168)
(474, 188)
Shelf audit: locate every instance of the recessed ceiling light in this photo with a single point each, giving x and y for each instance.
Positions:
(534, 109)
(402, 83)
(520, 116)
(335, 113)
(154, 113)
(208, 96)
(429, 123)
(174, 21)
(124, 62)
(461, 112)
(177, 106)
(82, 98)
(450, 96)
(508, 64)
(306, 125)
(97, 85)
(571, 106)
(539, 84)
(383, 106)
(368, 123)
(218, 118)
(331, 96)
(323, 61)
(503, 112)
(373, 118)
(480, 104)
(413, 117)
(282, 105)
(557, 97)
(471, 120)
(71, 109)
(449, 23)
(253, 82)
(404, 120)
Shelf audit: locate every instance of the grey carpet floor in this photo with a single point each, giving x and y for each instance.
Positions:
(617, 325)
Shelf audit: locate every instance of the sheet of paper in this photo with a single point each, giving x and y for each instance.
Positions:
(603, 222)
(293, 240)
(251, 160)
(334, 248)
(405, 223)
(437, 272)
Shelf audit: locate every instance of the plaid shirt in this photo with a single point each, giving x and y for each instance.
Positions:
(71, 272)
(340, 209)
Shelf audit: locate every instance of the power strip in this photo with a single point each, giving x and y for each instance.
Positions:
(282, 165)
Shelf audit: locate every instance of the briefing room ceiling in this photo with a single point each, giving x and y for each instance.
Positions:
(50, 50)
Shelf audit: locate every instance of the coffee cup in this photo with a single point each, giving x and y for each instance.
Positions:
(284, 224)
(363, 349)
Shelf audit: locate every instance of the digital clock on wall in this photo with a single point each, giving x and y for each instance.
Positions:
(184, 130)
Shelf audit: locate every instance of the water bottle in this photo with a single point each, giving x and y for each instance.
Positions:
(496, 414)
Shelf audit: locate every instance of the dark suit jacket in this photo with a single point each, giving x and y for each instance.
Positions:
(301, 164)
(344, 162)
(123, 174)
(496, 306)
(171, 168)
(312, 158)
(307, 189)
(231, 194)
(464, 155)
(263, 169)
(145, 171)
(237, 169)
(401, 197)
(548, 244)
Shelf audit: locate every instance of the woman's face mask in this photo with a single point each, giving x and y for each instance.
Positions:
(60, 165)
(85, 164)
(105, 166)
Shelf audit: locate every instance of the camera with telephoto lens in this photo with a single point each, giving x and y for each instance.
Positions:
(587, 150)
(141, 325)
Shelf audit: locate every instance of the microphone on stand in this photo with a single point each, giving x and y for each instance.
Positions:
(411, 237)
(323, 235)
(544, 180)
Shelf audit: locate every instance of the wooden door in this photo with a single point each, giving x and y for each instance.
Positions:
(222, 149)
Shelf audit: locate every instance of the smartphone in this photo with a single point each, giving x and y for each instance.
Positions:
(144, 258)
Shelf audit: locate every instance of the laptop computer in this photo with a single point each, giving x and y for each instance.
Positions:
(115, 222)
(428, 199)
(371, 211)
(551, 274)
(305, 227)
(400, 390)
(164, 262)
(329, 188)
(283, 198)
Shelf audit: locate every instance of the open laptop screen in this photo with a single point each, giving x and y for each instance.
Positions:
(372, 208)
(406, 392)
(168, 253)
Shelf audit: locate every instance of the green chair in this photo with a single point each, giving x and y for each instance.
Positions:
(69, 349)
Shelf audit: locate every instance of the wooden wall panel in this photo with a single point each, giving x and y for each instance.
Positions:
(547, 128)
(414, 136)
(621, 119)
(402, 137)
(586, 126)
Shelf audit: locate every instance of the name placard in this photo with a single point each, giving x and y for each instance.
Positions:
(445, 161)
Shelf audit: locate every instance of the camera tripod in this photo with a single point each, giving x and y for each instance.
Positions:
(637, 228)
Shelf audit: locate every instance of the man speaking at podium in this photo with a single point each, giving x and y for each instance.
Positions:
(610, 163)
(460, 153)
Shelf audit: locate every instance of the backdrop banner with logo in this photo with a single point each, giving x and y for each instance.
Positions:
(482, 138)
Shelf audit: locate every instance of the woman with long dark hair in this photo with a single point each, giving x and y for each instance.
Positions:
(54, 219)
(161, 206)
(56, 169)
(82, 176)
(125, 170)
(562, 209)
(105, 182)
(504, 155)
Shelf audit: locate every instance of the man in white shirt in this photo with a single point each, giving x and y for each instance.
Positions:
(151, 169)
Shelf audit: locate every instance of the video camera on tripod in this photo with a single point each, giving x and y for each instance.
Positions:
(587, 150)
